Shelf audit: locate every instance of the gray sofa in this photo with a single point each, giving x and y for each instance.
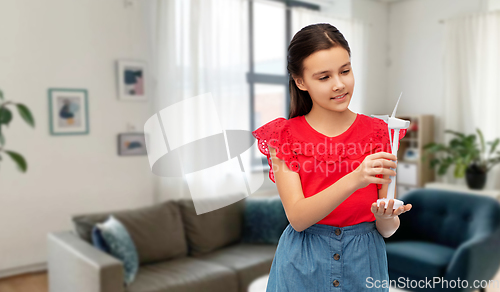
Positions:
(178, 250)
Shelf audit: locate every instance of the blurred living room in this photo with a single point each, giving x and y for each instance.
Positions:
(154, 103)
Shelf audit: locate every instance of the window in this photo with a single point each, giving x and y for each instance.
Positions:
(270, 34)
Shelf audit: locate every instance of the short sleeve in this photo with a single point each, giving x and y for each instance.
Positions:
(387, 146)
(277, 134)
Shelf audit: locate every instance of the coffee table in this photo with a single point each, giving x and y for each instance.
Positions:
(259, 284)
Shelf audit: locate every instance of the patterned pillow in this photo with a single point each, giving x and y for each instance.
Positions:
(121, 246)
(264, 220)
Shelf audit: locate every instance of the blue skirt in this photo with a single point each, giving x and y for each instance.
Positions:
(329, 258)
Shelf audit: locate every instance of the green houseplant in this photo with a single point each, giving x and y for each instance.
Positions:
(470, 159)
(5, 119)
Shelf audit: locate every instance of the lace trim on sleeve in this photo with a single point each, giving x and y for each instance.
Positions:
(277, 135)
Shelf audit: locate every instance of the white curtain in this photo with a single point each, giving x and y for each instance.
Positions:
(356, 33)
(201, 48)
(471, 80)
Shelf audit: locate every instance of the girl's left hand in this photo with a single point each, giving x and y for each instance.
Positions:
(385, 213)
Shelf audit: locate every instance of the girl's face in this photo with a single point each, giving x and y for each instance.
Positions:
(327, 74)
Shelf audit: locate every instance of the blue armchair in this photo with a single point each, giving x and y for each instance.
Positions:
(449, 235)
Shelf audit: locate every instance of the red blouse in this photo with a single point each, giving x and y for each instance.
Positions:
(321, 160)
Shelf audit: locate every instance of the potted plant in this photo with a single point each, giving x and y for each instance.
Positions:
(470, 160)
(5, 119)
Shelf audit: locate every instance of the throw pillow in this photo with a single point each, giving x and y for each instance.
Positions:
(157, 230)
(98, 241)
(121, 246)
(264, 220)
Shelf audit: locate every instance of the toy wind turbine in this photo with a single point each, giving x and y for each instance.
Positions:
(396, 124)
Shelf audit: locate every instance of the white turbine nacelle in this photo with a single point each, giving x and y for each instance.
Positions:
(394, 123)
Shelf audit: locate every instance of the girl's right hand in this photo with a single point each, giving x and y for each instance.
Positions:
(372, 165)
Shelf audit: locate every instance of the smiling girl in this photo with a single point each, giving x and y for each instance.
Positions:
(330, 166)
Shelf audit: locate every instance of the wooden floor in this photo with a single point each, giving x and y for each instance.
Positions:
(25, 283)
(38, 283)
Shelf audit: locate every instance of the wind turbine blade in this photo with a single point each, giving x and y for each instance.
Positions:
(396, 107)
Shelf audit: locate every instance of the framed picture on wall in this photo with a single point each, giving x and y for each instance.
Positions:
(132, 144)
(132, 77)
(68, 111)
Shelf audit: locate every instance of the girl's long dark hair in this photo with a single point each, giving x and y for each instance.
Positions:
(309, 39)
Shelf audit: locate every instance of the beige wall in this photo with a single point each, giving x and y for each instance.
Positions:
(68, 44)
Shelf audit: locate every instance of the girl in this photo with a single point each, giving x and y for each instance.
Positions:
(330, 165)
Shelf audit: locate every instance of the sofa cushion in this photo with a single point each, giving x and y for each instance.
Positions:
(157, 230)
(121, 246)
(250, 261)
(426, 259)
(212, 230)
(184, 274)
(264, 220)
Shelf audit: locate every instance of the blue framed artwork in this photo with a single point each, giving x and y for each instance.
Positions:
(132, 79)
(68, 111)
(132, 144)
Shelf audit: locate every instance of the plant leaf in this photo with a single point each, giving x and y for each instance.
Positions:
(460, 170)
(433, 147)
(19, 159)
(429, 145)
(5, 116)
(494, 145)
(492, 162)
(25, 113)
(1, 94)
(481, 137)
(2, 139)
(455, 133)
(434, 162)
(457, 143)
(442, 169)
(467, 159)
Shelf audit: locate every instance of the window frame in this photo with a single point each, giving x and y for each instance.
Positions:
(273, 79)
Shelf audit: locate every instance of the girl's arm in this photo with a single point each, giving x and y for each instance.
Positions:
(304, 212)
